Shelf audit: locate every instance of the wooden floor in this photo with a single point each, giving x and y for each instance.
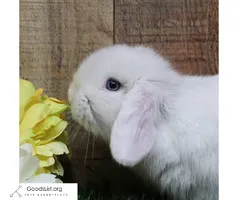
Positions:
(56, 35)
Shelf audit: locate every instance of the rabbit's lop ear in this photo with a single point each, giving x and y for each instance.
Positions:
(134, 130)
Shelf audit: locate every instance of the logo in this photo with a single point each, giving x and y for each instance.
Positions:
(16, 192)
(40, 191)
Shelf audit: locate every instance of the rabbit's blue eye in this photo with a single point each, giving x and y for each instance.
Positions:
(113, 85)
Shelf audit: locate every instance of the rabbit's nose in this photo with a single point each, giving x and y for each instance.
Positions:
(84, 99)
(81, 98)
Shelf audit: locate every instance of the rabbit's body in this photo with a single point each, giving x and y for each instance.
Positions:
(184, 159)
(162, 124)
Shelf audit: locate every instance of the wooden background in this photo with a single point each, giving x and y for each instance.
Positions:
(55, 35)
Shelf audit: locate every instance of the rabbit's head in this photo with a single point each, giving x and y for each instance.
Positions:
(121, 93)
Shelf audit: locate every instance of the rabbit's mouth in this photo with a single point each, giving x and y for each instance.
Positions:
(82, 114)
(100, 127)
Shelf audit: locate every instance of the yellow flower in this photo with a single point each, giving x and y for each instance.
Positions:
(29, 166)
(41, 123)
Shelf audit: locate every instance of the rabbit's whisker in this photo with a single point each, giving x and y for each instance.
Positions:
(85, 159)
(93, 143)
(74, 134)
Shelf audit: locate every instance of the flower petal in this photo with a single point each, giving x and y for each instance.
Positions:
(52, 133)
(57, 168)
(27, 90)
(43, 150)
(56, 108)
(63, 137)
(28, 163)
(46, 124)
(57, 100)
(35, 99)
(46, 161)
(43, 170)
(26, 148)
(56, 148)
(34, 115)
(26, 134)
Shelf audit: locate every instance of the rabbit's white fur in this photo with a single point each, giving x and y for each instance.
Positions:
(161, 123)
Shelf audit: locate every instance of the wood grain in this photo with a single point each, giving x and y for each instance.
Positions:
(184, 31)
(56, 35)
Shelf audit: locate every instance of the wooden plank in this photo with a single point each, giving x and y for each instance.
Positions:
(56, 35)
(184, 31)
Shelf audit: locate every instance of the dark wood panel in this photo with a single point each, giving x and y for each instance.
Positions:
(184, 31)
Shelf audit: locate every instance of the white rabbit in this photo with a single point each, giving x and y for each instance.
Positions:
(162, 124)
